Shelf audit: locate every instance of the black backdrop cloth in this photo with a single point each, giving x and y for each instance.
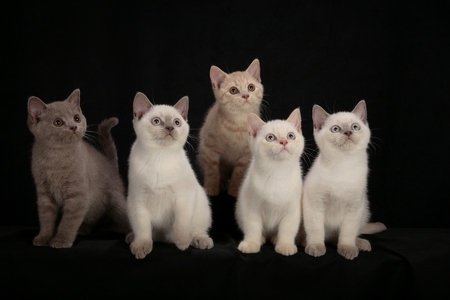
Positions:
(393, 54)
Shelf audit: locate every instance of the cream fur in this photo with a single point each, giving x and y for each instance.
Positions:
(224, 153)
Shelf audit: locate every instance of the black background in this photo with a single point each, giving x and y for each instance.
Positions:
(393, 54)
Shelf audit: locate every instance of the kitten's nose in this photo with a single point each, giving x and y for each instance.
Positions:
(283, 142)
(348, 133)
(245, 96)
(170, 128)
(73, 128)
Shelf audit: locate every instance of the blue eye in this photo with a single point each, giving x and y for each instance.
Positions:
(156, 121)
(177, 122)
(270, 137)
(355, 127)
(291, 136)
(335, 129)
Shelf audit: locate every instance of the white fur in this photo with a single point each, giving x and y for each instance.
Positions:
(165, 201)
(335, 205)
(268, 204)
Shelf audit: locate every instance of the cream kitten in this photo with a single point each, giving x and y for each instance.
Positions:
(223, 150)
(335, 205)
(165, 201)
(268, 205)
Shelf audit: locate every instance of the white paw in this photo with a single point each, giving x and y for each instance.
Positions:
(249, 247)
(315, 250)
(286, 249)
(141, 248)
(202, 242)
(363, 245)
(348, 251)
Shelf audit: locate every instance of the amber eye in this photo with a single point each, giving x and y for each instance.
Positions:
(234, 90)
(156, 121)
(335, 129)
(58, 122)
(77, 118)
(251, 88)
(177, 122)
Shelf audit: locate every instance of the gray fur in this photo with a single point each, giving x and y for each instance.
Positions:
(77, 186)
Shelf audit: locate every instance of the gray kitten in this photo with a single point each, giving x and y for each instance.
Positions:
(77, 186)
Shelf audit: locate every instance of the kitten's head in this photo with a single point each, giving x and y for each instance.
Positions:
(343, 131)
(238, 91)
(58, 123)
(277, 139)
(161, 125)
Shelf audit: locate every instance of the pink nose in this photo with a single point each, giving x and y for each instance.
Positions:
(169, 128)
(348, 133)
(245, 96)
(73, 128)
(283, 142)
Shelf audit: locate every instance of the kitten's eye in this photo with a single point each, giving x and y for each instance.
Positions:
(58, 122)
(355, 127)
(177, 122)
(156, 121)
(270, 137)
(77, 118)
(251, 88)
(234, 90)
(291, 136)
(335, 129)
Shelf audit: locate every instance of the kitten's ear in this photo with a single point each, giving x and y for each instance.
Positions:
(183, 106)
(319, 116)
(74, 98)
(360, 111)
(217, 77)
(36, 108)
(254, 124)
(255, 70)
(296, 119)
(141, 105)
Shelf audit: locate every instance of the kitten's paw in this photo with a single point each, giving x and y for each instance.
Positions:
(286, 249)
(348, 251)
(211, 191)
(249, 247)
(129, 238)
(140, 249)
(315, 250)
(202, 242)
(41, 240)
(363, 245)
(57, 242)
(233, 191)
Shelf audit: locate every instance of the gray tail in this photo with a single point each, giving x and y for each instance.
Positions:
(106, 141)
(372, 228)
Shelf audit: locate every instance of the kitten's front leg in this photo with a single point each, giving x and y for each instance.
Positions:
(252, 229)
(209, 160)
(48, 212)
(287, 230)
(348, 233)
(141, 237)
(74, 212)
(238, 175)
(314, 224)
(182, 227)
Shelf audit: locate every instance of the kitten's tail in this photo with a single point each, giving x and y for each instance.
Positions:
(106, 141)
(372, 228)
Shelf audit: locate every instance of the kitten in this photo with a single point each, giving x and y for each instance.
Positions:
(223, 151)
(335, 204)
(268, 205)
(76, 184)
(165, 201)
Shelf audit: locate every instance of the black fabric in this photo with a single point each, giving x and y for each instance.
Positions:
(393, 54)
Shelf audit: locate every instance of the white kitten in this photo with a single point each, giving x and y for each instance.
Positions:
(165, 201)
(268, 205)
(335, 205)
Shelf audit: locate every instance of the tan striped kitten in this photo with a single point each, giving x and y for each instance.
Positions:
(77, 186)
(224, 153)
